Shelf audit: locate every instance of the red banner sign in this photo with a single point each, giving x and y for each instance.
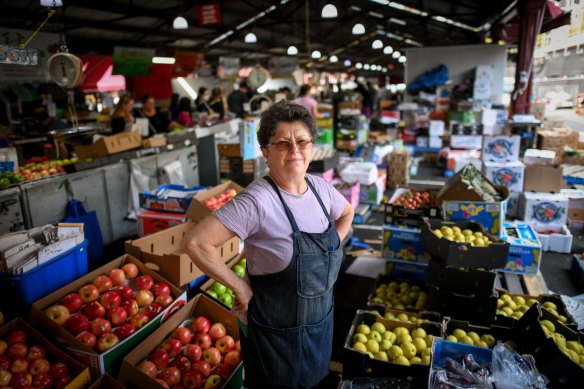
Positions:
(209, 14)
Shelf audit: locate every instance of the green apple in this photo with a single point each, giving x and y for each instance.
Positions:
(549, 325)
(489, 340)
(389, 316)
(381, 356)
(419, 333)
(474, 336)
(482, 344)
(426, 360)
(219, 288)
(242, 262)
(401, 360)
(452, 338)
(426, 352)
(226, 299)
(459, 333)
(360, 338)
(466, 340)
(385, 345)
(409, 349)
(404, 338)
(395, 351)
(560, 339)
(549, 305)
(429, 339)
(530, 302)
(378, 327)
(402, 317)
(400, 330)
(573, 345)
(360, 347)
(363, 329)
(240, 271)
(213, 294)
(375, 336)
(389, 336)
(420, 344)
(372, 346)
(415, 360)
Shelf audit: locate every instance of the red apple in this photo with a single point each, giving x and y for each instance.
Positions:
(164, 300)
(148, 368)
(124, 331)
(144, 297)
(72, 302)
(225, 344)
(125, 291)
(62, 381)
(106, 341)
(39, 366)
(130, 270)
(160, 288)
(3, 346)
(100, 326)
(117, 276)
(58, 313)
(162, 383)
(17, 350)
(144, 282)
(5, 377)
(217, 331)
(94, 310)
(203, 340)
(117, 316)
(87, 338)
(173, 346)
(58, 369)
(193, 352)
(16, 336)
(182, 364)
(21, 380)
(152, 310)
(203, 366)
(238, 345)
(192, 379)
(5, 362)
(103, 283)
(19, 365)
(42, 381)
(77, 324)
(160, 358)
(213, 382)
(139, 320)
(212, 355)
(223, 370)
(232, 358)
(110, 299)
(201, 324)
(131, 307)
(89, 293)
(35, 352)
(183, 334)
(170, 375)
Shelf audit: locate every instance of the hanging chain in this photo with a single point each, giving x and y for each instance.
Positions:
(52, 12)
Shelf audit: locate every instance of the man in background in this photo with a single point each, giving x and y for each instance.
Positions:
(237, 99)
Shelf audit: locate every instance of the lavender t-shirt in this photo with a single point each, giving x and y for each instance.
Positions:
(257, 216)
(308, 102)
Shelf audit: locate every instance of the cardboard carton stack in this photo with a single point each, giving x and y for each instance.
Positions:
(556, 139)
(398, 173)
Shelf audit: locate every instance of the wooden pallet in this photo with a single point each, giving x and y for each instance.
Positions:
(532, 285)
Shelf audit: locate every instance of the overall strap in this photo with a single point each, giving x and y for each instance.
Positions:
(328, 216)
(286, 209)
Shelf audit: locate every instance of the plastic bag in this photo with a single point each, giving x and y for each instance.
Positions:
(375, 383)
(513, 371)
(466, 374)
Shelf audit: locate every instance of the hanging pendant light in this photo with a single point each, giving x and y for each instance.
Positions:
(377, 44)
(292, 50)
(387, 50)
(366, 66)
(358, 29)
(396, 54)
(250, 37)
(316, 54)
(402, 59)
(329, 11)
(51, 3)
(359, 65)
(347, 63)
(334, 59)
(180, 23)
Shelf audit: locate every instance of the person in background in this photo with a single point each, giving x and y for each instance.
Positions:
(218, 103)
(308, 102)
(158, 121)
(237, 99)
(43, 124)
(202, 104)
(123, 118)
(365, 98)
(287, 92)
(184, 116)
(292, 225)
(174, 107)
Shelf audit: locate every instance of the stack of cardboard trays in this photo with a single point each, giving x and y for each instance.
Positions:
(398, 172)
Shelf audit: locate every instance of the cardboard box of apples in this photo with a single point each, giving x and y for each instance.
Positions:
(511, 307)
(399, 294)
(198, 347)
(100, 317)
(480, 336)
(409, 207)
(219, 291)
(29, 360)
(206, 202)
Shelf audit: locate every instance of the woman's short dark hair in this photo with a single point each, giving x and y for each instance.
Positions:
(184, 104)
(284, 111)
(304, 90)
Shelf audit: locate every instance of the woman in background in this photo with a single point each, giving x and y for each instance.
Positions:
(218, 102)
(308, 101)
(184, 115)
(122, 118)
(202, 104)
(158, 121)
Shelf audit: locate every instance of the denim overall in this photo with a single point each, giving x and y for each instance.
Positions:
(290, 316)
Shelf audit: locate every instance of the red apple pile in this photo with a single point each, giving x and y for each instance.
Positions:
(197, 355)
(413, 199)
(26, 365)
(34, 171)
(220, 200)
(108, 310)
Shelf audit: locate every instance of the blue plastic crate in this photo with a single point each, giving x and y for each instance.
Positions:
(24, 289)
(446, 349)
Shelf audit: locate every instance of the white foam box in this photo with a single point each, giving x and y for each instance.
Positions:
(508, 174)
(468, 142)
(486, 117)
(554, 238)
(501, 148)
(435, 142)
(436, 128)
(544, 209)
(539, 157)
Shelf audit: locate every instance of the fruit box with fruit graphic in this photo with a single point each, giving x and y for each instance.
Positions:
(163, 251)
(357, 362)
(501, 148)
(169, 198)
(549, 209)
(525, 251)
(110, 360)
(551, 360)
(404, 243)
(200, 206)
(200, 306)
(78, 373)
(507, 174)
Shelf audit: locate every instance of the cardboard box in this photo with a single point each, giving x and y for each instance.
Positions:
(364, 172)
(106, 381)
(403, 242)
(507, 174)
(162, 251)
(575, 205)
(554, 238)
(207, 285)
(456, 254)
(327, 175)
(544, 208)
(457, 163)
(229, 150)
(490, 215)
(420, 316)
(539, 157)
(501, 148)
(400, 215)
(398, 172)
(109, 145)
(176, 198)
(79, 372)
(461, 280)
(350, 192)
(525, 251)
(407, 270)
(556, 299)
(250, 148)
(372, 194)
(543, 178)
(396, 182)
(513, 204)
(151, 222)
(400, 157)
(501, 334)
(154, 141)
(200, 305)
(386, 279)
(486, 117)
(197, 211)
(467, 142)
(109, 361)
(472, 308)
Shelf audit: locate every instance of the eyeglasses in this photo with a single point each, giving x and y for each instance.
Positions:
(285, 145)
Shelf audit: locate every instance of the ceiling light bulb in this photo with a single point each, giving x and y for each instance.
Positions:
(180, 23)
(316, 54)
(384, 70)
(292, 50)
(402, 59)
(250, 37)
(329, 11)
(347, 63)
(334, 59)
(396, 54)
(358, 29)
(387, 50)
(51, 3)
(164, 60)
(377, 44)
(359, 65)
(366, 66)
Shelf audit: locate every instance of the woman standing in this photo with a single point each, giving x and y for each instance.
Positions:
(158, 122)
(293, 225)
(184, 115)
(218, 102)
(122, 118)
(308, 101)
(202, 104)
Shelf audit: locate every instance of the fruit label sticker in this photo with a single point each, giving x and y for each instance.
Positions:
(547, 212)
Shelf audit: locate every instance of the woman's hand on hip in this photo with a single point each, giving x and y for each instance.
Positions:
(242, 296)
